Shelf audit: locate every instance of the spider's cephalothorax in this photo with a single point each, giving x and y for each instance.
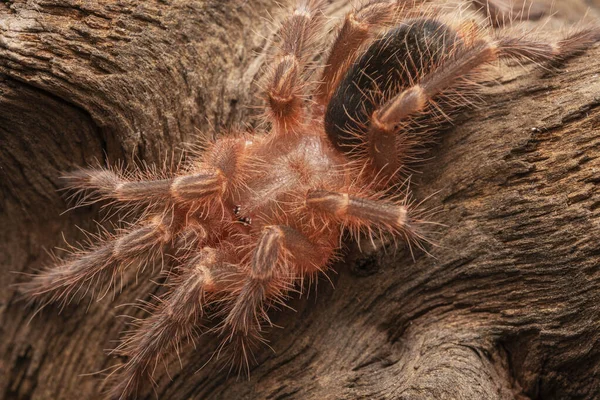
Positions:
(256, 214)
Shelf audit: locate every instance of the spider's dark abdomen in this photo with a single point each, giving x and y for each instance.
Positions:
(391, 64)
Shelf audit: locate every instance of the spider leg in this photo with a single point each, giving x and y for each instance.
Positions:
(105, 184)
(221, 169)
(173, 320)
(287, 79)
(357, 211)
(100, 266)
(387, 153)
(543, 52)
(282, 255)
(501, 13)
(357, 27)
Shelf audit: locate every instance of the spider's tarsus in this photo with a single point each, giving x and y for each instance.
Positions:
(578, 42)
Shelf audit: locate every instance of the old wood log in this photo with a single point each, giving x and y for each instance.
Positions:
(507, 306)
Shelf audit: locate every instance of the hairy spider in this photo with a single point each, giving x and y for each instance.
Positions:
(256, 214)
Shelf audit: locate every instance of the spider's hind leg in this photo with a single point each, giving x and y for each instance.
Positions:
(287, 80)
(356, 29)
(363, 22)
(391, 65)
(502, 12)
(411, 81)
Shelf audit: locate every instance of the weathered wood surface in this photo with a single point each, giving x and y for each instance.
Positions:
(509, 306)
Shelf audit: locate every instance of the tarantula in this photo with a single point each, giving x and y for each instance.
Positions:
(257, 213)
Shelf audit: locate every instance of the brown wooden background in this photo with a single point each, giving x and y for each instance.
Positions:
(508, 307)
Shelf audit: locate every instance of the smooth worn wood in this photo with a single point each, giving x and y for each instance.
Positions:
(507, 305)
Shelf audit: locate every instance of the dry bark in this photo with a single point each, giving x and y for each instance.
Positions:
(507, 307)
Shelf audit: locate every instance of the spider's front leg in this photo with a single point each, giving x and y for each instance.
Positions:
(176, 318)
(97, 269)
(282, 256)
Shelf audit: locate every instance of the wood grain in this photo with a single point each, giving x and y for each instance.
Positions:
(506, 307)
